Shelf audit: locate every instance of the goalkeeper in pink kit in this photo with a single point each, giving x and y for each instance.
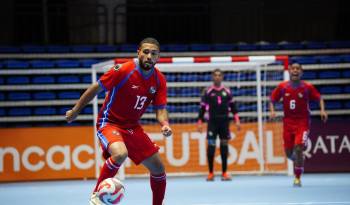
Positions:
(130, 88)
(296, 95)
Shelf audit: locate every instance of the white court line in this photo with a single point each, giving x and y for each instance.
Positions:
(283, 203)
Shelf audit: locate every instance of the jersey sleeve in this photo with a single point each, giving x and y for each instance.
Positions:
(160, 99)
(203, 104)
(233, 107)
(276, 93)
(232, 103)
(313, 93)
(111, 78)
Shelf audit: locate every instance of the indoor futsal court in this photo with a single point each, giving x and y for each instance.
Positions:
(254, 89)
(318, 189)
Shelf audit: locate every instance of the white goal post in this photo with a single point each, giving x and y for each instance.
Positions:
(183, 152)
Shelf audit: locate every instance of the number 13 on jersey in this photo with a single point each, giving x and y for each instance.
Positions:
(140, 102)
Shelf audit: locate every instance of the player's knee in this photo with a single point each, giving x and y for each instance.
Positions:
(161, 168)
(298, 148)
(118, 152)
(211, 142)
(157, 168)
(289, 154)
(120, 157)
(223, 142)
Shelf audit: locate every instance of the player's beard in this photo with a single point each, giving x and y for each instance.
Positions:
(147, 65)
(295, 78)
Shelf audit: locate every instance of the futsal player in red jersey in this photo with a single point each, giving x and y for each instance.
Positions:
(296, 95)
(130, 88)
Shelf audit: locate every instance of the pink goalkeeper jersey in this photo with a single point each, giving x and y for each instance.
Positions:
(295, 99)
(129, 92)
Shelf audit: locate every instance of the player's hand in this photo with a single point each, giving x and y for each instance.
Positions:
(324, 116)
(166, 130)
(199, 126)
(71, 115)
(272, 115)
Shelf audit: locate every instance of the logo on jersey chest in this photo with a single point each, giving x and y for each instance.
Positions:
(130, 131)
(152, 90)
(135, 86)
(300, 95)
(219, 94)
(117, 67)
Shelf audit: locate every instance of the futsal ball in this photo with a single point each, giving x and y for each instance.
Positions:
(110, 191)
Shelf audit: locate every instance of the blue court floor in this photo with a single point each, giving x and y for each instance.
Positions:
(318, 189)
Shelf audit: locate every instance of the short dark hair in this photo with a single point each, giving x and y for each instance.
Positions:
(217, 70)
(297, 65)
(150, 40)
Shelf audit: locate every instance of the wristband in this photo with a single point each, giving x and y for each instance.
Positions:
(165, 122)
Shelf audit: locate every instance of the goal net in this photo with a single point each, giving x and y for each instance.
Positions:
(256, 148)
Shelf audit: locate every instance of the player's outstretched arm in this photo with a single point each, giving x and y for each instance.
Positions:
(323, 113)
(234, 110)
(162, 117)
(200, 118)
(87, 96)
(237, 121)
(272, 110)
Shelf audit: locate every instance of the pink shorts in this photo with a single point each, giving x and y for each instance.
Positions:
(137, 142)
(295, 132)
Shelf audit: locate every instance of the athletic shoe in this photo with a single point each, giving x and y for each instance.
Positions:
(297, 182)
(226, 177)
(94, 200)
(210, 177)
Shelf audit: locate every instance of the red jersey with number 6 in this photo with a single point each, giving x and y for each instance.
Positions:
(295, 98)
(129, 92)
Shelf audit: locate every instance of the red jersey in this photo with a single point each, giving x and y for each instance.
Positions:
(129, 92)
(295, 99)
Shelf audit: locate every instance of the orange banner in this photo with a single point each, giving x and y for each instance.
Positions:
(69, 152)
(185, 151)
(46, 153)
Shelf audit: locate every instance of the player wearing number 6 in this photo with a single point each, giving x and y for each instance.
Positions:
(130, 88)
(296, 95)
